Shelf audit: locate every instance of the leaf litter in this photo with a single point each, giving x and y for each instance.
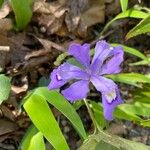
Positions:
(28, 56)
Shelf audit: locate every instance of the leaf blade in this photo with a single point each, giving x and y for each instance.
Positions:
(5, 87)
(130, 78)
(23, 12)
(25, 143)
(124, 5)
(37, 142)
(58, 101)
(45, 121)
(132, 51)
(131, 13)
(141, 28)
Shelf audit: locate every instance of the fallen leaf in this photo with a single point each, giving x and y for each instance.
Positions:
(7, 113)
(7, 126)
(5, 9)
(4, 50)
(48, 45)
(5, 24)
(83, 14)
(69, 17)
(20, 89)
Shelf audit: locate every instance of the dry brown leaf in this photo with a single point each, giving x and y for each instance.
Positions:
(4, 50)
(7, 126)
(46, 8)
(91, 17)
(113, 8)
(19, 90)
(7, 113)
(17, 50)
(48, 45)
(5, 24)
(109, 1)
(83, 14)
(65, 17)
(50, 15)
(4, 53)
(4, 11)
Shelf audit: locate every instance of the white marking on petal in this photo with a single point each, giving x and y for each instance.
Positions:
(111, 48)
(58, 77)
(111, 96)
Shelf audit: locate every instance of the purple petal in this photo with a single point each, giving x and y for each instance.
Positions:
(68, 72)
(103, 84)
(108, 108)
(81, 53)
(55, 83)
(113, 65)
(102, 51)
(77, 91)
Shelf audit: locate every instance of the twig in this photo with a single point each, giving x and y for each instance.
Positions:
(4, 48)
(101, 38)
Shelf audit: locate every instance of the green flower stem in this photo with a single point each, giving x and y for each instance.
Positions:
(96, 126)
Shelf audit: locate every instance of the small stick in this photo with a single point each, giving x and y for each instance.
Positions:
(4, 48)
(101, 38)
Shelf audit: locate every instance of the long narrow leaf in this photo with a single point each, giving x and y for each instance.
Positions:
(124, 5)
(5, 87)
(1, 3)
(132, 13)
(141, 28)
(58, 101)
(37, 142)
(23, 12)
(130, 78)
(43, 118)
(95, 143)
(132, 51)
(27, 138)
(139, 63)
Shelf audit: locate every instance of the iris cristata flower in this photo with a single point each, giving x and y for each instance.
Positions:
(106, 60)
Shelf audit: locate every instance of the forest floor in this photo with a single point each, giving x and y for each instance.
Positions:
(55, 24)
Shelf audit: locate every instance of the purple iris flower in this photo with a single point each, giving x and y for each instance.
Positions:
(106, 60)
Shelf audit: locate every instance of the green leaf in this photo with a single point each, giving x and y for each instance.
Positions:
(146, 123)
(43, 118)
(132, 51)
(106, 146)
(116, 142)
(121, 113)
(135, 109)
(5, 87)
(132, 13)
(98, 113)
(23, 12)
(28, 136)
(131, 112)
(130, 78)
(77, 104)
(124, 5)
(37, 142)
(59, 102)
(139, 63)
(143, 99)
(1, 3)
(74, 62)
(142, 95)
(60, 58)
(43, 82)
(141, 28)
